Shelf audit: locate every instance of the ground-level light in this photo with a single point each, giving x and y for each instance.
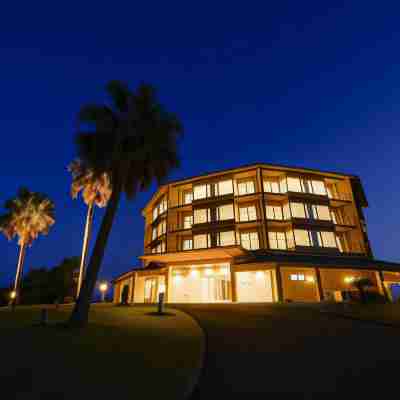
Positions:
(103, 287)
(13, 295)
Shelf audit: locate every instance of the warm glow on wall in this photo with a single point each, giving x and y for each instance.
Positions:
(194, 273)
(223, 270)
(349, 279)
(260, 274)
(310, 279)
(13, 294)
(177, 278)
(208, 271)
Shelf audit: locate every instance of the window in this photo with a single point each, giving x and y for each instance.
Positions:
(277, 240)
(155, 213)
(187, 221)
(154, 233)
(298, 210)
(226, 238)
(294, 184)
(321, 212)
(224, 187)
(201, 241)
(202, 191)
(327, 239)
(248, 213)
(160, 248)
(318, 187)
(246, 187)
(249, 240)
(162, 228)
(201, 216)
(187, 197)
(225, 212)
(332, 190)
(301, 237)
(297, 277)
(187, 244)
(290, 240)
(160, 208)
(274, 212)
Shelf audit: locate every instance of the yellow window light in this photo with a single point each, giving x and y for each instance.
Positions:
(177, 278)
(310, 279)
(161, 288)
(208, 271)
(223, 270)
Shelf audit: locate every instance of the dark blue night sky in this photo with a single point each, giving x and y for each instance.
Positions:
(296, 83)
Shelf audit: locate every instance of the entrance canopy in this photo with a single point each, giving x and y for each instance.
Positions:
(198, 255)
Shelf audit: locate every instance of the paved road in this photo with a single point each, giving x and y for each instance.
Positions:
(258, 350)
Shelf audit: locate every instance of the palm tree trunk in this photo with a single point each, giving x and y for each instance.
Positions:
(85, 247)
(80, 313)
(18, 275)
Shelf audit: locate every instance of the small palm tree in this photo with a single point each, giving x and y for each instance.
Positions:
(28, 215)
(96, 190)
(361, 284)
(134, 141)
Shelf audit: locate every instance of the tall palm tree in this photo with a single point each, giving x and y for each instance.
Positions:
(96, 190)
(28, 215)
(134, 141)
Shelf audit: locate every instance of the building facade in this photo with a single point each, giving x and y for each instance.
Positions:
(259, 233)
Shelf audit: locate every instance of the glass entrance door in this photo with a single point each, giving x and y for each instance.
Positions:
(150, 290)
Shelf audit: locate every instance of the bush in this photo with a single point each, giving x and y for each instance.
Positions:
(373, 297)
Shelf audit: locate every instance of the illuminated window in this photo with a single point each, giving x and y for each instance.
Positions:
(187, 197)
(226, 238)
(225, 212)
(249, 240)
(290, 240)
(224, 187)
(297, 277)
(321, 212)
(187, 244)
(298, 210)
(286, 211)
(201, 241)
(246, 187)
(155, 213)
(294, 184)
(302, 237)
(277, 240)
(248, 213)
(318, 187)
(201, 191)
(201, 216)
(187, 221)
(274, 212)
(328, 239)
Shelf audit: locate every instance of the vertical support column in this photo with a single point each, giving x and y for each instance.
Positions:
(168, 284)
(117, 292)
(233, 281)
(279, 287)
(319, 284)
(381, 285)
(132, 287)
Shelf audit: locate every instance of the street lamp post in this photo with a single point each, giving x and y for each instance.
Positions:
(103, 289)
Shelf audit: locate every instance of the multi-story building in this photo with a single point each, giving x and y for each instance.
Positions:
(259, 233)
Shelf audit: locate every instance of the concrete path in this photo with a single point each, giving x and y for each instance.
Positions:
(258, 350)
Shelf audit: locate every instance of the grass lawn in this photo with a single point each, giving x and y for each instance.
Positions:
(387, 313)
(124, 353)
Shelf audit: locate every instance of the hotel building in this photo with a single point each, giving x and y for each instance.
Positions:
(259, 233)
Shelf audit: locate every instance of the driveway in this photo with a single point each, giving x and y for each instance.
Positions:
(255, 350)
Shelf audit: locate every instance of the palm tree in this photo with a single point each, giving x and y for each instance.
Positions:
(28, 215)
(96, 190)
(134, 141)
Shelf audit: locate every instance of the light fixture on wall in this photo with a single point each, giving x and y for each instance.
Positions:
(259, 274)
(349, 279)
(310, 279)
(194, 273)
